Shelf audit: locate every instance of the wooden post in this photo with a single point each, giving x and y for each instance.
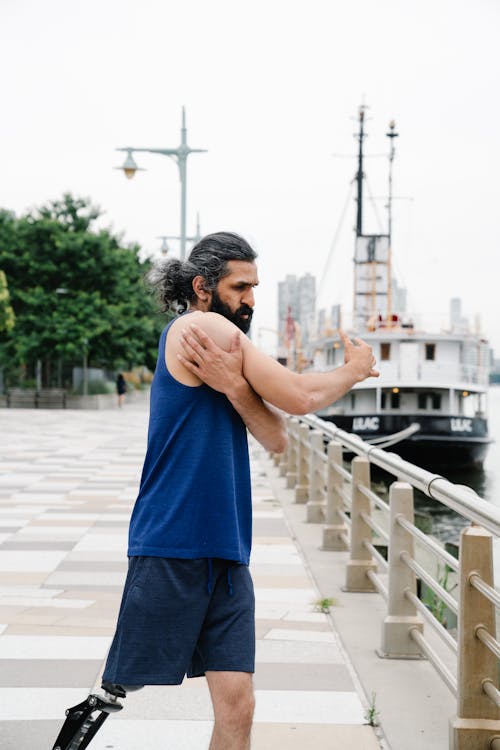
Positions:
(302, 485)
(335, 526)
(315, 504)
(401, 613)
(360, 561)
(478, 719)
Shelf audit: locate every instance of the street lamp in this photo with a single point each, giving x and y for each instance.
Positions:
(165, 247)
(180, 155)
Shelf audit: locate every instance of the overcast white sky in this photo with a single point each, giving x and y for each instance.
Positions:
(270, 89)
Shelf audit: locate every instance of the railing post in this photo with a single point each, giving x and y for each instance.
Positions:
(335, 527)
(478, 720)
(283, 462)
(315, 503)
(292, 453)
(402, 615)
(360, 561)
(302, 485)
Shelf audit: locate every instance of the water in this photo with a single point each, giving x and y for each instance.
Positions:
(446, 524)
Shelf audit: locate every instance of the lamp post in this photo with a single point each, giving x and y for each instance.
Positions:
(180, 155)
(165, 247)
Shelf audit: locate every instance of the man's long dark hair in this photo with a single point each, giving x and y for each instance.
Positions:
(173, 279)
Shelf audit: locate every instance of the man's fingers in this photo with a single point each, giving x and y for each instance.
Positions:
(192, 348)
(345, 338)
(187, 363)
(202, 337)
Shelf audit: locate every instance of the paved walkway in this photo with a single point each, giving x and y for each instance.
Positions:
(68, 481)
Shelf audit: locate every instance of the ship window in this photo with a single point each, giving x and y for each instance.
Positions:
(395, 400)
(385, 351)
(430, 351)
(436, 400)
(353, 400)
(383, 400)
(422, 400)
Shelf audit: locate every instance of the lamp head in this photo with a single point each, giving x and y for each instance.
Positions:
(129, 166)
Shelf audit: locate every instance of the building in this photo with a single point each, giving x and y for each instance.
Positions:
(297, 309)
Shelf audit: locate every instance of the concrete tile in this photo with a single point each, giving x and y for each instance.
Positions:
(265, 627)
(41, 673)
(297, 652)
(129, 734)
(289, 595)
(269, 527)
(273, 569)
(295, 736)
(46, 605)
(32, 704)
(52, 647)
(93, 578)
(289, 582)
(28, 617)
(306, 676)
(59, 631)
(102, 542)
(275, 554)
(310, 636)
(28, 591)
(309, 707)
(15, 577)
(34, 560)
(36, 544)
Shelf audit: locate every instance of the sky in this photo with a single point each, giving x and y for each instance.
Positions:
(271, 90)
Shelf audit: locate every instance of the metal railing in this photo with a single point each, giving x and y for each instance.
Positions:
(344, 502)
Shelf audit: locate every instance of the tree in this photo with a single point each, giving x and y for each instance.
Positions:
(7, 317)
(75, 290)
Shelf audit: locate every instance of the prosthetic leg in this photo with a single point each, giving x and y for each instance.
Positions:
(84, 720)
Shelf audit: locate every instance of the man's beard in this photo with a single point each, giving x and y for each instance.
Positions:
(218, 306)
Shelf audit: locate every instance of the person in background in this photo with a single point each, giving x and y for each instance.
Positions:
(121, 388)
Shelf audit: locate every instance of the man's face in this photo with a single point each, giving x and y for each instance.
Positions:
(233, 297)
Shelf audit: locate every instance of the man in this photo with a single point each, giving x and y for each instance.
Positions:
(188, 605)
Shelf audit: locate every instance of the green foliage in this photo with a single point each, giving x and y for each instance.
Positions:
(95, 387)
(433, 602)
(323, 605)
(7, 317)
(74, 290)
(372, 713)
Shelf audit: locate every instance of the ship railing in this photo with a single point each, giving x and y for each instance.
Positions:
(381, 539)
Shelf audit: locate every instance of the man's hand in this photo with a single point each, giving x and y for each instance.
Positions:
(359, 356)
(220, 370)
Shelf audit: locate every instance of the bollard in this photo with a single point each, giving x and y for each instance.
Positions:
(401, 613)
(477, 722)
(360, 561)
(302, 485)
(335, 526)
(292, 451)
(315, 504)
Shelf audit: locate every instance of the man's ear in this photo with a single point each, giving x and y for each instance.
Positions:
(199, 288)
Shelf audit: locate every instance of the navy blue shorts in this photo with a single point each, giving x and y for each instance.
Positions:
(182, 617)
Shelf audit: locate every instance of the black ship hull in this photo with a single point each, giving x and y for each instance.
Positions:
(443, 441)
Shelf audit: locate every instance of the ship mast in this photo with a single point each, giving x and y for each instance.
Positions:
(372, 268)
(360, 175)
(391, 135)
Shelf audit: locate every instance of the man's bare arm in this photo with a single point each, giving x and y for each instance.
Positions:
(222, 370)
(289, 391)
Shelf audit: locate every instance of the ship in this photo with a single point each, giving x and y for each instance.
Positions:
(429, 404)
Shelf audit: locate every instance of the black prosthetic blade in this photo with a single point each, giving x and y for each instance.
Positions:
(80, 727)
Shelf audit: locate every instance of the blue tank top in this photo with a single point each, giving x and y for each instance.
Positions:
(194, 499)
